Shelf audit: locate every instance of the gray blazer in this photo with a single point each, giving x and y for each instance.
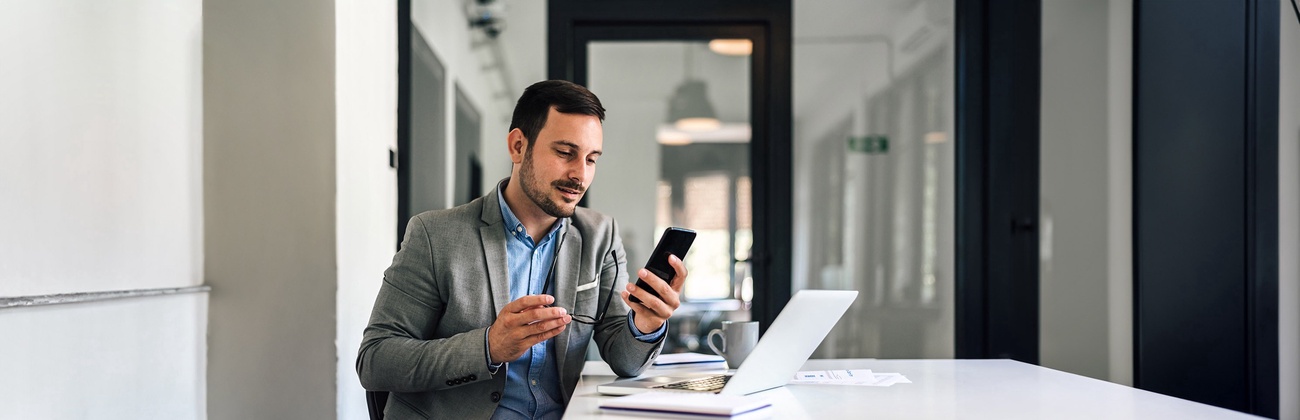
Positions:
(425, 342)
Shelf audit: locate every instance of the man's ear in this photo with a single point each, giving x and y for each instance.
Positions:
(517, 145)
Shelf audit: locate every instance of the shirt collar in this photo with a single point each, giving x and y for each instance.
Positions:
(516, 228)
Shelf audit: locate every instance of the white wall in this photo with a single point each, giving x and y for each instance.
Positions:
(1119, 124)
(366, 108)
(135, 358)
(1085, 320)
(270, 208)
(100, 165)
(1289, 214)
(100, 121)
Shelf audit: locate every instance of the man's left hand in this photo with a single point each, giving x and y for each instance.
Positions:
(653, 311)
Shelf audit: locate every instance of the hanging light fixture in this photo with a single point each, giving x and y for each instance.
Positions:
(689, 108)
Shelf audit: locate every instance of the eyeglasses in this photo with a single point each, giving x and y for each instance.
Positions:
(609, 297)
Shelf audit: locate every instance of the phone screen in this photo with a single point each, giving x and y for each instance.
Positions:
(675, 241)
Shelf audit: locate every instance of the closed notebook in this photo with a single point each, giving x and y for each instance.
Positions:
(673, 359)
(690, 405)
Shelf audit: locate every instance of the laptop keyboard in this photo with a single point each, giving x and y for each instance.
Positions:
(710, 384)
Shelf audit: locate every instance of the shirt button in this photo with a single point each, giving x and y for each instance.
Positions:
(519, 228)
(534, 382)
(496, 396)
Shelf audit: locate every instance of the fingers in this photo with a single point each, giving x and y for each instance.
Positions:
(647, 319)
(523, 303)
(528, 310)
(526, 331)
(533, 320)
(538, 315)
(667, 293)
(635, 306)
(509, 343)
(679, 280)
(661, 308)
(523, 323)
(527, 321)
(544, 330)
(526, 342)
(654, 310)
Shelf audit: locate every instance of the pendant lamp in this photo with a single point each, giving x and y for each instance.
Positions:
(689, 108)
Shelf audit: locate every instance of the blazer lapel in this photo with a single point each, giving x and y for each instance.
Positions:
(568, 267)
(493, 236)
(494, 249)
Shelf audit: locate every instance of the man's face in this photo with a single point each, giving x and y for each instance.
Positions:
(561, 164)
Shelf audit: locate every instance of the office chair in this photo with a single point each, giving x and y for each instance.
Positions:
(375, 402)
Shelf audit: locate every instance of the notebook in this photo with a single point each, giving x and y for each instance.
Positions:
(678, 359)
(697, 405)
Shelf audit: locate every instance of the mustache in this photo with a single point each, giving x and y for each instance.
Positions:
(569, 184)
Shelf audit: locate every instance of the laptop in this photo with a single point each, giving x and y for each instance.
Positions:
(800, 328)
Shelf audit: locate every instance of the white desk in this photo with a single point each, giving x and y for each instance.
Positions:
(944, 389)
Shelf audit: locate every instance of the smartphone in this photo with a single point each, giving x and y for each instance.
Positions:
(675, 241)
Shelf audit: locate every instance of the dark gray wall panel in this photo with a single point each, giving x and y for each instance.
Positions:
(469, 182)
(1196, 212)
(428, 148)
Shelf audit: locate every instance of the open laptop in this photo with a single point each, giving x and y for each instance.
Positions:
(785, 347)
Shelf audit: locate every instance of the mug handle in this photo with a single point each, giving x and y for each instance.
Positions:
(713, 333)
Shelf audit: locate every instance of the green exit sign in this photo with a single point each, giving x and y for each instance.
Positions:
(872, 145)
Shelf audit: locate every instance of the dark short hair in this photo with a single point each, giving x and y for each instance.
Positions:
(565, 96)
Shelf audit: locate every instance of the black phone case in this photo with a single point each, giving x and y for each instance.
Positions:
(675, 241)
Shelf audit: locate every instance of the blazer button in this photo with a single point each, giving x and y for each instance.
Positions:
(496, 396)
(450, 382)
(473, 377)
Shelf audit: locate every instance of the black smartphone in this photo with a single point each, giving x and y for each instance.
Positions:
(675, 241)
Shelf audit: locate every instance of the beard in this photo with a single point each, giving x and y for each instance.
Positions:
(537, 190)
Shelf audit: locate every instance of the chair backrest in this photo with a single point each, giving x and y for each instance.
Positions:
(375, 402)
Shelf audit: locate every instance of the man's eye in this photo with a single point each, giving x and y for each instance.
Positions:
(565, 153)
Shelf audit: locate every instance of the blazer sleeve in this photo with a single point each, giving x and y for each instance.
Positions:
(626, 355)
(397, 353)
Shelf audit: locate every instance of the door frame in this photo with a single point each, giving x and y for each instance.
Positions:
(998, 73)
(997, 87)
(573, 24)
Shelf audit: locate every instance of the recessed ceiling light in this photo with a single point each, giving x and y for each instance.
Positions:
(732, 46)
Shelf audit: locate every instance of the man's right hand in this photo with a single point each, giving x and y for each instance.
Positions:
(523, 323)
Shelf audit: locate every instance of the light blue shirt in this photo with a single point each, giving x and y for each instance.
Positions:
(533, 381)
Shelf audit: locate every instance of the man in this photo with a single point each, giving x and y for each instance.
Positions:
(488, 307)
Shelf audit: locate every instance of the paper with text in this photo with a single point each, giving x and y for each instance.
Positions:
(854, 377)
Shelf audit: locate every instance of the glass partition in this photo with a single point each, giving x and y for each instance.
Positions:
(873, 172)
(677, 140)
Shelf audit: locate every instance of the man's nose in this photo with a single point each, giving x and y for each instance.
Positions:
(579, 172)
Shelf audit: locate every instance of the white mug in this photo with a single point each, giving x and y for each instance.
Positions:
(738, 339)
